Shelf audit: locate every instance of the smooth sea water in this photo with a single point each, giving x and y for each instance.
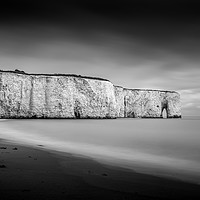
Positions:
(164, 147)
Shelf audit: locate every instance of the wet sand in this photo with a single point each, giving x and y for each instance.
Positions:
(36, 173)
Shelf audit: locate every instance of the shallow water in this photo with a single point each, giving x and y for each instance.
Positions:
(169, 147)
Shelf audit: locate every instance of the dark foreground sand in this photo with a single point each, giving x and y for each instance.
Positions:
(34, 173)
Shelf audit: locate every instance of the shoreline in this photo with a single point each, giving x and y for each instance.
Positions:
(37, 173)
(175, 168)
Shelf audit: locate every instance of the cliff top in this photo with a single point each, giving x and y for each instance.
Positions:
(73, 75)
(137, 89)
(151, 90)
(79, 76)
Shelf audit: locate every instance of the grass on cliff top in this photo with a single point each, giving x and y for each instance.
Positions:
(55, 74)
(135, 89)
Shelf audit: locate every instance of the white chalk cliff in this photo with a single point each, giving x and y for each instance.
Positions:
(70, 96)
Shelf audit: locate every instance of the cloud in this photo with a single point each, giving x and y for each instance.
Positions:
(187, 105)
(190, 101)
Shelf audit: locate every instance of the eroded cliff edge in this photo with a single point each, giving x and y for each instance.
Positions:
(138, 103)
(70, 96)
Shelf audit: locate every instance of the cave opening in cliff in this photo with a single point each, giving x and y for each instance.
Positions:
(77, 109)
(164, 113)
(77, 114)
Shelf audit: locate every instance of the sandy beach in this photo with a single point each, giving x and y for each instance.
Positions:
(35, 173)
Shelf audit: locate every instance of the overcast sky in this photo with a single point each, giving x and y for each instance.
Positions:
(135, 44)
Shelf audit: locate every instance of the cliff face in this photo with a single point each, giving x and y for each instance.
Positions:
(151, 103)
(57, 96)
(119, 98)
(29, 96)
